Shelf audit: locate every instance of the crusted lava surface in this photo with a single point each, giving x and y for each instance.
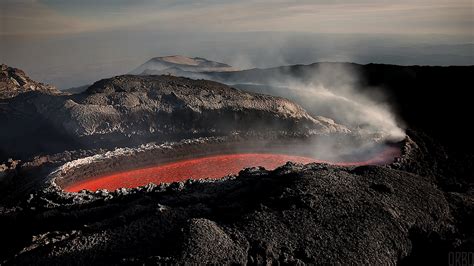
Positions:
(295, 213)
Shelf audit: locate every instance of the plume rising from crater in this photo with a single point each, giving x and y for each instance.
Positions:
(145, 155)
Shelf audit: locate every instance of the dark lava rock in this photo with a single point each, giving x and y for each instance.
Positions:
(415, 210)
(131, 110)
(173, 105)
(312, 214)
(203, 241)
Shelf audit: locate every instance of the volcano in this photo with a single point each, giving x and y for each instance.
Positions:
(168, 170)
(178, 64)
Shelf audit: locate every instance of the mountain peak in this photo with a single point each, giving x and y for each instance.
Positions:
(178, 59)
(162, 65)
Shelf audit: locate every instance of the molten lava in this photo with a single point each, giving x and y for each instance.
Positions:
(213, 167)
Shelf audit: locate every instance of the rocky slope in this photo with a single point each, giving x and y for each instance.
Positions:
(168, 104)
(423, 96)
(14, 81)
(295, 214)
(415, 210)
(433, 99)
(129, 110)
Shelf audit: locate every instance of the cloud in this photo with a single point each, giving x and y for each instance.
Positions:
(32, 18)
(360, 16)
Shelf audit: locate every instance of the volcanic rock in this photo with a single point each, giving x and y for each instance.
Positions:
(130, 110)
(415, 210)
(192, 104)
(295, 214)
(14, 81)
(422, 95)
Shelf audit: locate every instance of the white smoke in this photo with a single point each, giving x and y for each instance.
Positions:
(333, 91)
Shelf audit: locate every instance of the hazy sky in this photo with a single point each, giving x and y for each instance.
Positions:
(71, 42)
(328, 16)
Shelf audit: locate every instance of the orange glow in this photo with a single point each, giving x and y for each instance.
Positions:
(213, 167)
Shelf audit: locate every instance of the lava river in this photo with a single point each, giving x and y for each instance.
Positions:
(213, 167)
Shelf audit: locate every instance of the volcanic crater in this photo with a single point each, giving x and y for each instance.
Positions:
(364, 201)
(212, 158)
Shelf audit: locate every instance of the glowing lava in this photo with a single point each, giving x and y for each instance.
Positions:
(213, 167)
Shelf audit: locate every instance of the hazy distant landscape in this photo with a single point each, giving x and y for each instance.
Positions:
(78, 59)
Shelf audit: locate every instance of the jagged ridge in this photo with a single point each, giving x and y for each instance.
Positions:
(14, 81)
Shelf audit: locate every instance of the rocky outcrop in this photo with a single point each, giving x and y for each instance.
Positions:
(130, 110)
(315, 213)
(295, 214)
(14, 81)
(174, 105)
(7, 171)
(413, 211)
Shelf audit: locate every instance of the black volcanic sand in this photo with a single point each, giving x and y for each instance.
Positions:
(314, 214)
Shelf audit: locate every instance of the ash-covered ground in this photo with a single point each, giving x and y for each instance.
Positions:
(417, 209)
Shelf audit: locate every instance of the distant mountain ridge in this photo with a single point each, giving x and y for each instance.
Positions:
(176, 63)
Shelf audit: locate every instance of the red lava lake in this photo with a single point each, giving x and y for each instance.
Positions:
(213, 167)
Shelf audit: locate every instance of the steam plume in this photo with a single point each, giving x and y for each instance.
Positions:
(333, 91)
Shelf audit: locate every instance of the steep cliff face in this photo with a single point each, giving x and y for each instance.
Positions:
(14, 81)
